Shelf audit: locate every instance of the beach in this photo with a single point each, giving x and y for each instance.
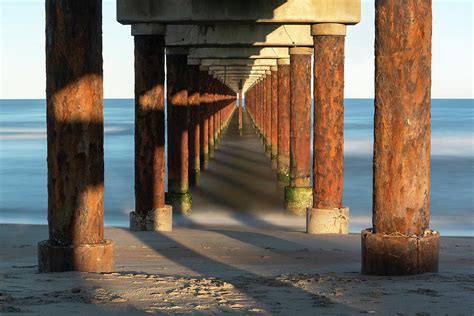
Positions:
(237, 253)
(234, 270)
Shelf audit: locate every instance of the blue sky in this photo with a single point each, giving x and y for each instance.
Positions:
(23, 61)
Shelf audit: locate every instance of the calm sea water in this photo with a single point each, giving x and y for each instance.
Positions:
(23, 196)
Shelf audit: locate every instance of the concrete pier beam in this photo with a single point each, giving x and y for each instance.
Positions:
(328, 216)
(401, 241)
(283, 141)
(239, 52)
(238, 62)
(274, 117)
(299, 194)
(178, 195)
(194, 130)
(75, 125)
(150, 213)
(245, 11)
(250, 35)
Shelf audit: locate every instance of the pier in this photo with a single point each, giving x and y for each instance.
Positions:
(238, 73)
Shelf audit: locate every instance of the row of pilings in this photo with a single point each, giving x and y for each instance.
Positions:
(198, 109)
(279, 105)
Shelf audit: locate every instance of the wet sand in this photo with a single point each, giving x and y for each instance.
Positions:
(237, 254)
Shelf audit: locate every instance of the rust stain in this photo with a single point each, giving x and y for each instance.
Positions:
(283, 140)
(204, 116)
(149, 124)
(194, 128)
(402, 117)
(328, 121)
(274, 113)
(74, 115)
(300, 120)
(178, 121)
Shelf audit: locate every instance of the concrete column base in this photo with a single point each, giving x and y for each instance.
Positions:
(180, 201)
(195, 177)
(327, 221)
(298, 199)
(399, 255)
(160, 220)
(82, 258)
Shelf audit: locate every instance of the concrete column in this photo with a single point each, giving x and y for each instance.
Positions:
(204, 109)
(299, 194)
(262, 108)
(327, 216)
(283, 141)
(150, 213)
(256, 102)
(240, 111)
(218, 120)
(211, 111)
(401, 241)
(265, 113)
(256, 106)
(178, 194)
(194, 125)
(268, 114)
(274, 117)
(217, 116)
(75, 124)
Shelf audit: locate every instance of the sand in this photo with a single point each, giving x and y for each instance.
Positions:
(237, 254)
(231, 270)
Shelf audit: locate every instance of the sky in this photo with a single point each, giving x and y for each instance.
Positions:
(22, 51)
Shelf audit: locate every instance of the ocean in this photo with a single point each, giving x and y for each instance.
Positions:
(23, 172)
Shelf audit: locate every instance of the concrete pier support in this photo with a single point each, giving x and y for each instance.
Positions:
(75, 125)
(150, 213)
(261, 100)
(211, 110)
(299, 194)
(401, 241)
(204, 110)
(194, 129)
(218, 121)
(217, 117)
(283, 141)
(268, 114)
(240, 105)
(264, 111)
(327, 216)
(259, 104)
(274, 117)
(178, 195)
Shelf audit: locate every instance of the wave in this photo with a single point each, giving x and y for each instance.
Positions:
(40, 133)
(440, 146)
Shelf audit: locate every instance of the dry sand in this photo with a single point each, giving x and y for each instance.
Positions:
(237, 254)
(231, 270)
